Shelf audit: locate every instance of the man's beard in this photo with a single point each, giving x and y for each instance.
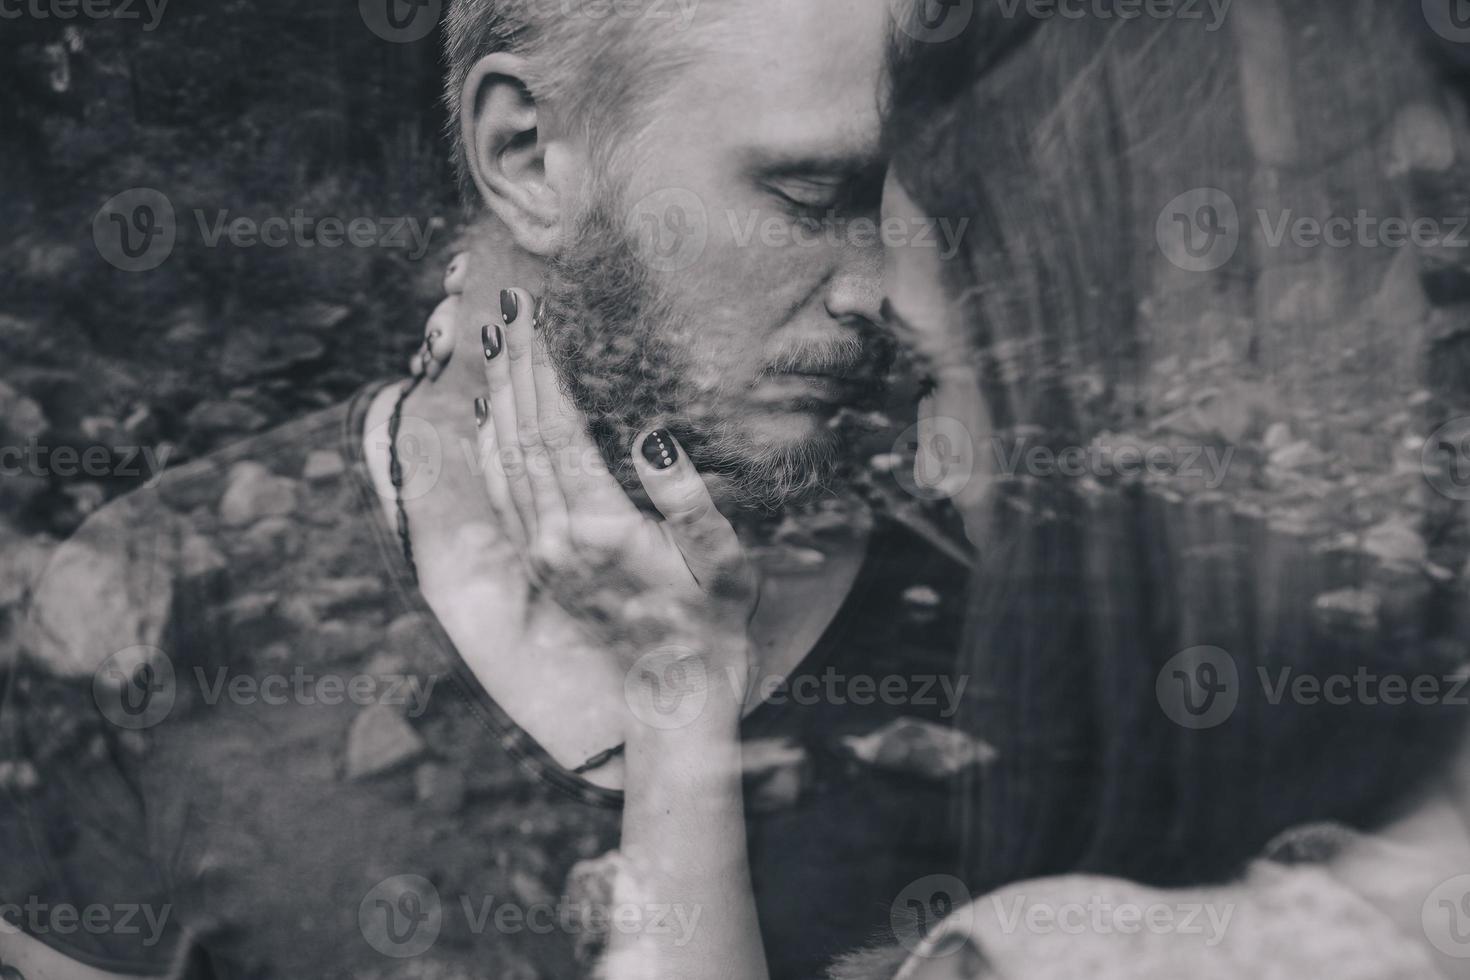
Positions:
(625, 354)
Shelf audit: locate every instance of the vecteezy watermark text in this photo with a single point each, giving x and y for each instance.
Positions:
(402, 916)
(137, 230)
(1214, 10)
(98, 462)
(1201, 230)
(41, 918)
(1100, 917)
(86, 9)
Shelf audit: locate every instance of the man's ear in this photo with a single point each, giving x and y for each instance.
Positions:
(509, 141)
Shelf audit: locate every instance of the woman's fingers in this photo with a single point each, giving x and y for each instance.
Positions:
(439, 338)
(550, 509)
(496, 484)
(706, 540)
(457, 274)
(443, 328)
(594, 499)
(510, 459)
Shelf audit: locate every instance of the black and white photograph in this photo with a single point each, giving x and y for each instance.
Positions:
(735, 489)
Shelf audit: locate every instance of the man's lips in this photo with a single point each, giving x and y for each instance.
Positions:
(824, 387)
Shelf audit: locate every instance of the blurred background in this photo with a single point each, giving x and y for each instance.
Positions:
(307, 113)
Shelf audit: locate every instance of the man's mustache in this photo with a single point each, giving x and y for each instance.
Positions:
(846, 356)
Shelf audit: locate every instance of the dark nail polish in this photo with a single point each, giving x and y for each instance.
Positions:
(493, 340)
(510, 306)
(482, 412)
(659, 449)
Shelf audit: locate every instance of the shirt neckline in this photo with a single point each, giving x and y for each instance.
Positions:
(518, 743)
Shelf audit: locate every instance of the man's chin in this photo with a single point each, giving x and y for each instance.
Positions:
(793, 428)
(775, 459)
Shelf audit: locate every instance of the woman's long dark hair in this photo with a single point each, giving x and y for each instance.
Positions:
(1061, 141)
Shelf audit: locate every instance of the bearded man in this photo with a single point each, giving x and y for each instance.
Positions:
(317, 720)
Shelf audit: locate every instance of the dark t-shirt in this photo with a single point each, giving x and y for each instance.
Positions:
(237, 738)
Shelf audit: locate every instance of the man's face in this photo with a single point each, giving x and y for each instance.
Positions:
(726, 285)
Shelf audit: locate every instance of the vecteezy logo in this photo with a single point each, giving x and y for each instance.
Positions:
(1445, 916)
(923, 905)
(400, 21)
(937, 21)
(135, 688)
(1446, 459)
(667, 688)
(135, 230)
(670, 227)
(943, 454)
(420, 455)
(401, 916)
(1199, 230)
(1450, 19)
(1199, 688)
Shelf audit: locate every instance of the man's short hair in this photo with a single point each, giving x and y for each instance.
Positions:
(603, 65)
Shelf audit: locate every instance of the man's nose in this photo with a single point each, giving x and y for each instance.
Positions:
(855, 291)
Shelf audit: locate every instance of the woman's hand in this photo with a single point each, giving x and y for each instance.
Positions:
(442, 329)
(672, 599)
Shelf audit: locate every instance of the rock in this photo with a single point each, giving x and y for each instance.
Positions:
(270, 540)
(922, 596)
(25, 560)
(85, 497)
(1402, 299)
(922, 748)
(141, 424)
(212, 421)
(191, 487)
(1278, 436)
(250, 609)
(528, 890)
(1421, 139)
(1298, 296)
(380, 741)
(410, 637)
(407, 630)
(337, 596)
(21, 418)
(321, 316)
(338, 641)
(885, 462)
(440, 789)
(255, 492)
(1396, 541)
(1353, 609)
(1298, 455)
(258, 353)
(128, 597)
(18, 775)
(199, 558)
(590, 886)
(99, 429)
(776, 770)
(323, 464)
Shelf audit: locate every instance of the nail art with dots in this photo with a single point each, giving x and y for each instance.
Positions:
(660, 449)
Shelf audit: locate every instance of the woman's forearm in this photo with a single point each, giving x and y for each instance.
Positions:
(684, 851)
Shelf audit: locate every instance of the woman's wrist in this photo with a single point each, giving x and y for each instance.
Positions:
(672, 702)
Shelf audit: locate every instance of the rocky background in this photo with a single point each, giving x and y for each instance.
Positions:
(252, 108)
